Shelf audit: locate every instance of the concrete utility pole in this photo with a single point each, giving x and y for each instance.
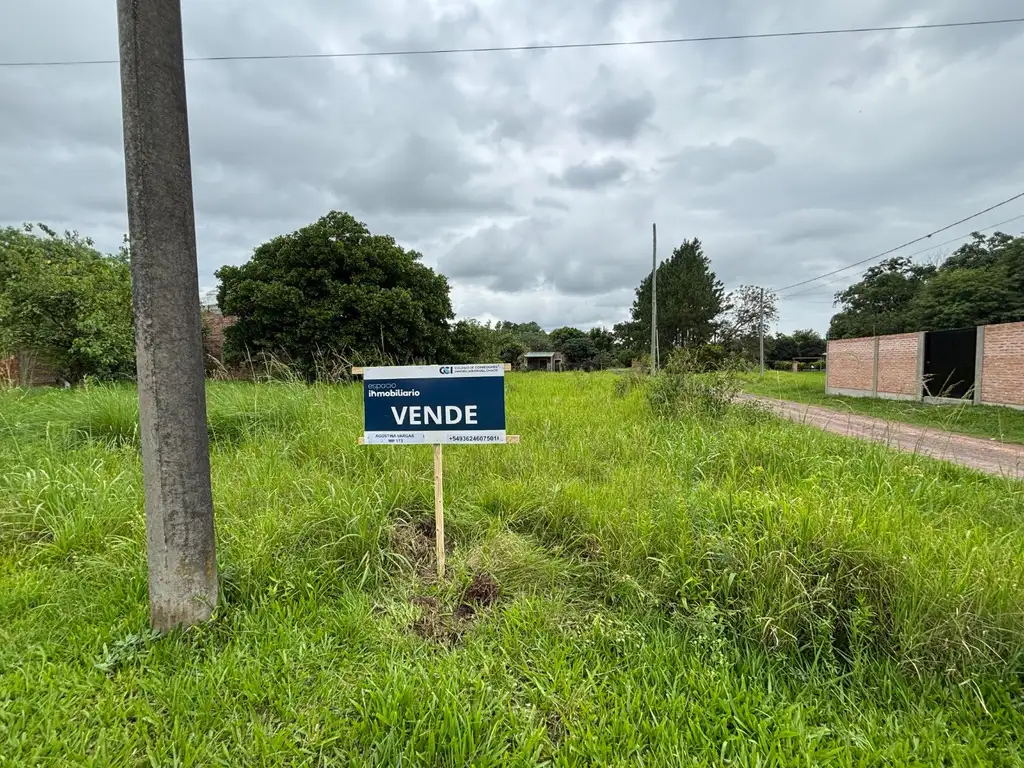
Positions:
(760, 331)
(655, 352)
(168, 332)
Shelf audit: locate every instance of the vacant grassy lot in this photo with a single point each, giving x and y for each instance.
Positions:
(1003, 424)
(714, 589)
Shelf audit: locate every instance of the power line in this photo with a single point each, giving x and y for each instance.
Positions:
(901, 247)
(543, 46)
(910, 255)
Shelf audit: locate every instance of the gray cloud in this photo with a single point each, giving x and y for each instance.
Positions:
(550, 202)
(421, 176)
(619, 118)
(531, 179)
(591, 175)
(713, 163)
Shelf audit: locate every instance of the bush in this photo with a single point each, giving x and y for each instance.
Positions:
(683, 387)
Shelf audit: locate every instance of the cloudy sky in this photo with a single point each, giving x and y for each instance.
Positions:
(531, 179)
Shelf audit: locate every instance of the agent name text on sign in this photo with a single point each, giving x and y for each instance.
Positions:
(434, 404)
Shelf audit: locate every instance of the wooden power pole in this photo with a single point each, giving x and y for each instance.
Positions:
(760, 331)
(168, 333)
(655, 351)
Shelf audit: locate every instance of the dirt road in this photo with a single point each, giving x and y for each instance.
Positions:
(977, 453)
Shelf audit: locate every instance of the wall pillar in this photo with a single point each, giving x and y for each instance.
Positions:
(920, 365)
(874, 371)
(979, 361)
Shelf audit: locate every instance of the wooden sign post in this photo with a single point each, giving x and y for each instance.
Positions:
(435, 405)
(439, 507)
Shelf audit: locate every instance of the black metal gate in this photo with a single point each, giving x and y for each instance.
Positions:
(949, 358)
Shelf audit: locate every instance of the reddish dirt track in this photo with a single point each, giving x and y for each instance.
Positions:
(994, 458)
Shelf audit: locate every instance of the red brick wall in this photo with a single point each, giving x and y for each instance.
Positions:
(9, 371)
(897, 364)
(1002, 366)
(216, 325)
(851, 364)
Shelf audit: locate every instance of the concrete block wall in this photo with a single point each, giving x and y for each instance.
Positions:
(1002, 364)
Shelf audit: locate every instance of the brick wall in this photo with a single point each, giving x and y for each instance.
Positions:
(1002, 365)
(897, 365)
(216, 324)
(9, 372)
(28, 369)
(851, 364)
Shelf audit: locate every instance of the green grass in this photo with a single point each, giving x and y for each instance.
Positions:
(728, 591)
(1003, 424)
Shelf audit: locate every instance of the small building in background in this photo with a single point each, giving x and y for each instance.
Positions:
(543, 361)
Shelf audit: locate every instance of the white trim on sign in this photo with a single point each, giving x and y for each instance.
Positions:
(433, 371)
(466, 437)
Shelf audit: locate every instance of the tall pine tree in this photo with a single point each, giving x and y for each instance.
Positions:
(690, 300)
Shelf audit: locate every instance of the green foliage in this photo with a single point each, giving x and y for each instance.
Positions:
(784, 347)
(332, 289)
(981, 283)
(473, 342)
(65, 303)
(525, 337)
(687, 385)
(560, 336)
(881, 302)
(690, 300)
(511, 350)
(580, 352)
(751, 312)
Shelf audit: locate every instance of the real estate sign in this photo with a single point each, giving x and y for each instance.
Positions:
(434, 404)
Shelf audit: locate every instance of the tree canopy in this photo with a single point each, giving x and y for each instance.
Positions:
(802, 343)
(750, 312)
(690, 300)
(63, 301)
(333, 288)
(881, 302)
(982, 282)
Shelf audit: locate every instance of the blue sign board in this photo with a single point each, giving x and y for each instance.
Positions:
(435, 404)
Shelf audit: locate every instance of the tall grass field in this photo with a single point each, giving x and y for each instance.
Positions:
(631, 585)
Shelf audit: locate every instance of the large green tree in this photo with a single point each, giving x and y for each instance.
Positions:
(334, 289)
(64, 303)
(529, 336)
(560, 336)
(981, 283)
(473, 342)
(690, 301)
(802, 343)
(881, 301)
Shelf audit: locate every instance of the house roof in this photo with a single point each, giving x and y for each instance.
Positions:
(540, 354)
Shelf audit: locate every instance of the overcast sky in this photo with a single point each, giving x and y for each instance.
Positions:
(531, 179)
